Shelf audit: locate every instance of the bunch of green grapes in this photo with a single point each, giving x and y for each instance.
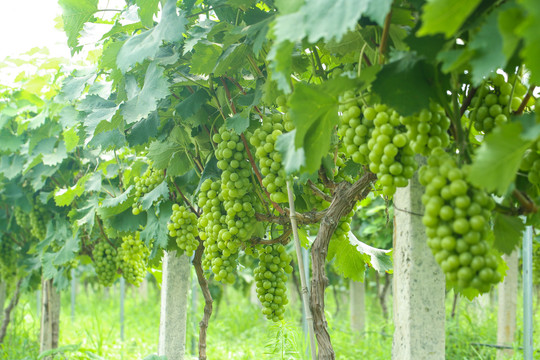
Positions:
(281, 101)
(105, 262)
(212, 224)
(494, 101)
(457, 219)
(271, 278)
(354, 128)
(270, 160)
(22, 218)
(183, 228)
(531, 163)
(144, 184)
(38, 222)
(390, 154)
(428, 130)
(132, 259)
(8, 266)
(236, 189)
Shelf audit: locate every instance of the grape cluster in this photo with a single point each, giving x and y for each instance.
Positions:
(22, 218)
(264, 139)
(271, 278)
(531, 163)
(427, 130)
(8, 267)
(494, 100)
(105, 262)
(132, 258)
(183, 228)
(457, 219)
(218, 257)
(144, 184)
(354, 129)
(38, 222)
(281, 101)
(390, 154)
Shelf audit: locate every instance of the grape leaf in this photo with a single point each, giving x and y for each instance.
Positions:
(239, 122)
(56, 156)
(192, 103)
(497, 160)
(127, 222)
(211, 171)
(162, 190)
(413, 97)
(380, 259)
(197, 33)
(280, 63)
(156, 226)
(161, 152)
(445, 16)
(9, 141)
(112, 139)
(73, 86)
(529, 31)
(231, 59)
(65, 196)
(155, 88)
(69, 250)
(179, 164)
(75, 14)
(71, 138)
(115, 201)
(145, 129)
(349, 262)
(508, 231)
(146, 45)
(488, 49)
(293, 158)
(205, 57)
(11, 165)
(98, 110)
(147, 10)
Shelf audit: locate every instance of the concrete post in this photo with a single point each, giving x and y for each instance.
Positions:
(506, 317)
(174, 298)
(357, 305)
(419, 285)
(50, 317)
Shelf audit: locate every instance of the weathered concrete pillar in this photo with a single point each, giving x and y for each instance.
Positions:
(419, 285)
(50, 317)
(174, 298)
(357, 305)
(506, 317)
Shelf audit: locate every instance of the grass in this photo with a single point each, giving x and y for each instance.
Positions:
(237, 330)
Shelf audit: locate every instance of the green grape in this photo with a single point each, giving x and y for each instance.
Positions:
(390, 154)
(427, 130)
(531, 163)
(144, 184)
(457, 219)
(264, 139)
(105, 262)
(270, 279)
(218, 256)
(355, 127)
(494, 101)
(183, 228)
(281, 101)
(38, 221)
(132, 259)
(22, 218)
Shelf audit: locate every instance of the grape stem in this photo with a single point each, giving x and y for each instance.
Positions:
(318, 192)
(525, 100)
(103, 231)
(467, 100)
(384, 39)
(282, 239)
(186, 200)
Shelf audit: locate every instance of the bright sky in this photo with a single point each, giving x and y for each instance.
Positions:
(25, 24)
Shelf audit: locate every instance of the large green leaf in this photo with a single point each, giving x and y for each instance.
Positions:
(98, 110)
(508, 231)
(445, 16)
(497, 160)
(156, 226)
(147, 10)
(406, 84)
(146, 45)
(155, 88)
(293, 158)
(75, 14)
(531, 36)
